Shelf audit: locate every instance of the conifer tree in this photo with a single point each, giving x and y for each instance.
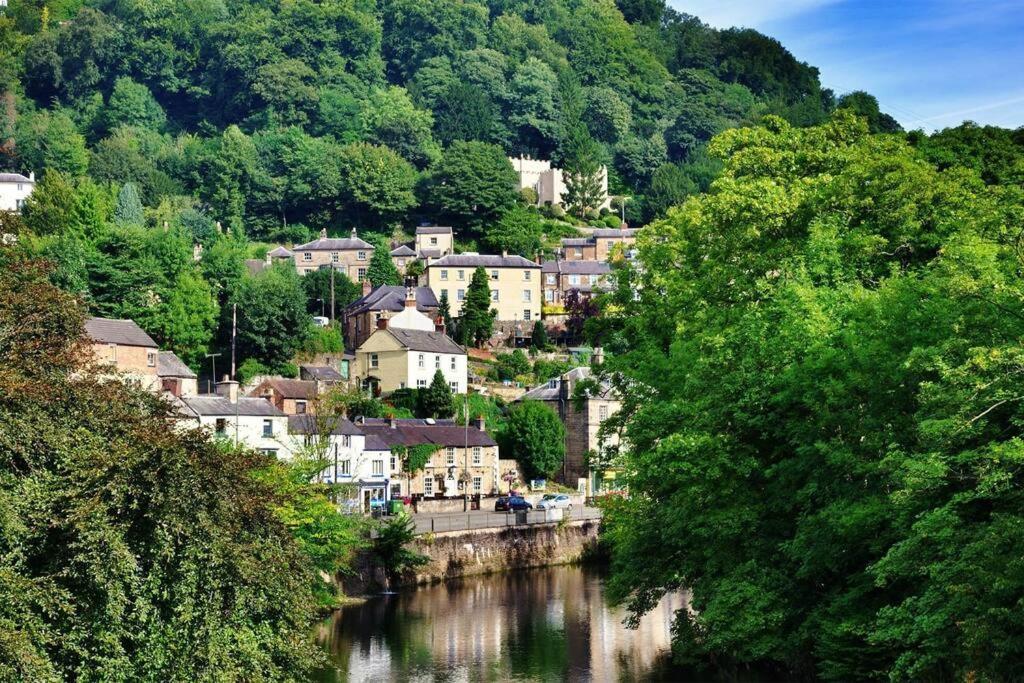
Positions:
(128, 210)
(437, 400)
(382, 270)
(477, 320)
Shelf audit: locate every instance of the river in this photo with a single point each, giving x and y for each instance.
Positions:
(539, 625)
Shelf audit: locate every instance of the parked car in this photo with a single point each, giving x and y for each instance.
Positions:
(321, 321)
(554, 501)
(512, 503)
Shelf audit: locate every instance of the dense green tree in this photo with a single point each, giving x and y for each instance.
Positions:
(533, 108)
(865, 105)
(128, 209)
(51, 142)
(474, 184)
(997, 154)
(61, 205)
(444, 311)
(377, 184)
(825, 355)
(437, 399)
(391, 119)
(512, 365)
(132, 104)
(476, 320)
(382, 270)
(539, 338)
(187, 323)
(670, 186)
(518, 232)
(465, 112)
(534, 435)
(272, 317)
(317, 286)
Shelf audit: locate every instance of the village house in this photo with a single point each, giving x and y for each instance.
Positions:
(514, 281)
(434, 241)
(124, 348)
(359, 319)
(562, 277)
(464, 456)
(325, 374)
(15, 189)
(176, 378)
(599, 245)
(355, 458)
(402, 256)
(350, 255)
(252, 422)
(401, 356)
(583, 419)
(549, 182)
(290, 396)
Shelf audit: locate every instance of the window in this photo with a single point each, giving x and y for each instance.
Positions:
(18, 203)
(269, 452)
(306, 256)
(494, 295)
(19, 187)
(449, 455)
(401, 263)
(494, 275)
(526, 314)
(527, 294)
(549, 295)
(551, 278)
(268, 428)
(421, 361)
(433, 241)
(437, 362)
(361, 274)
(454, 386)
(396, 490)
(378, 468)
(346, 441)
(444, 292)
(453, 362)
(300, 407)
(421, 384)
(478, 484)
(374, 361)
(574, 279)
(221, 425)
(394, 464)
(602, 413)
(428, 485)
(461, 274)
(344, 467)
(334, 256)
(477, 455)
(578, 251)
(552, 383)
(113, 352)
(444, 274)
(360, 255)
(527, 275)
(460, 294)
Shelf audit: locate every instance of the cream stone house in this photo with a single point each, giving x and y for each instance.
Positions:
(599, 245)
(434, 241)
(251, 422)
(514, 281)
(124, 348)
(359, 319)
(562, 277)
(465, 460)
(397, 358)
(349, 255)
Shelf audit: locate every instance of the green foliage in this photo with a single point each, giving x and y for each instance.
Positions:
(476, 321)
(997, 154)
(823, 434)
(382, 270)
(323, 340)
(864, 105)
(132, 104)
(437, 400)
(250, 368)
(539, 338)
(518, 232)
(535, 437)
(128, 209)
(474, 185)
(392, 546)
(272, 318)
(377, 184)
(317, 286)
(512, 365)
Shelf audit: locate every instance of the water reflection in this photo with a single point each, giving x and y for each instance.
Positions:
(543, 625)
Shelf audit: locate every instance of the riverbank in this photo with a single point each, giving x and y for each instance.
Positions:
(473, 552)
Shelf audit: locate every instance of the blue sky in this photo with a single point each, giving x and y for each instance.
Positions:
(930, 63)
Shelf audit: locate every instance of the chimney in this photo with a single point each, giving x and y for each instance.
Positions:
(382, 323)
(31, 176)
(539, 259)
(391, 421)
(353, 233)
(410, 297)
(197, 251)
(220, 228)
(167, 226)
(228, 388)
(439, 325)
(323, 233)
(504, 253)
(597, 358)
(367, 286)
(479, 422)
(269, 260)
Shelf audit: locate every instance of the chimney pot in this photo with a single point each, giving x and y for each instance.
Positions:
(382, 323)
(410, 297)
(323, 233)
(269, 260)
(31, 176)
(504, 253)
(353, 233)
(479, 422)
(439, 325)
(228, 388)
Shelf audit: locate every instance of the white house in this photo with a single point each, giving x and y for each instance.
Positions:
(353, 457)
(15, 189)
(252, 422)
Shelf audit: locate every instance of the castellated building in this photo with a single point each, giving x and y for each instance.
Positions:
(547, 181)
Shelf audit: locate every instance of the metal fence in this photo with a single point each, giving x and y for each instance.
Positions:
(463, 521)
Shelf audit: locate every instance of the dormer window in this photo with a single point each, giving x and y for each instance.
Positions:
(552, 384)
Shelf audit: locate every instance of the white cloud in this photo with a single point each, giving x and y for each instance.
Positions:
(747, 13)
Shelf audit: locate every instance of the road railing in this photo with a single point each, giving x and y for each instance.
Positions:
(466, 521)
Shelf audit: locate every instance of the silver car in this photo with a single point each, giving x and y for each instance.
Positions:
(552, 501)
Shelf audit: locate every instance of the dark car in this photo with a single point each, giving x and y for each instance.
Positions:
(507, 503)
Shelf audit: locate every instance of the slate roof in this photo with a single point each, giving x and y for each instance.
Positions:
(412, 432)
(375, 443)
(430, 253)
(311, 424)
(615, 232)
(545, 392)
(14, 178)
(255, 266)
(577, 242)
(485, 260)
(169, 365)
(290, 388)
(334, 244)
(322, 372)
(113, 331)
(403, 250)
(221, 406)
(434, 230)
(392, 298)
(422, 340)
(577, 267)
(280, 252)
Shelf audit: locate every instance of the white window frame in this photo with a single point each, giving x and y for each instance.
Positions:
(151, 358)
(422, 361)
(494, 275)
(454, 387)
(478, 455)
(268, 429)
(428, 485)
(374, 361)
(460, 295)
(494, 295)
(527, 296)
(378, 467)
(444, 274)
(460, 274)
(360, 255)
(527, 275)
(478, 484)
(449, 456)
(306, 256)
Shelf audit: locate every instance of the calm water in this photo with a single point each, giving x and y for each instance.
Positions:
(541, 625)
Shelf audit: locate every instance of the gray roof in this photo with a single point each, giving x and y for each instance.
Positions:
(616, 232)
(321, 372)
(403, 250)
(392, 298)
(311, 424)
(375, 443)
(288, 388)
(169, 365)
(280, 252)
(577, 267)
(113, 331)
(255, 266)
(14, 178)
(430, 253)
(546, 392)
(413, 432)
(221, 406)
(422, 340)
(577, 242)
(484, 260)
(334, 244)
(434, 230)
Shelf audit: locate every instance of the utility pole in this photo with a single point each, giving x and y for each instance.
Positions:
(465, 462)
(234, 331)
(332, 295)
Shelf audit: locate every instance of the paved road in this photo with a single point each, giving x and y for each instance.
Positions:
(487, 518)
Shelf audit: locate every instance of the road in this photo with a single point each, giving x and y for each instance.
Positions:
(488, 518)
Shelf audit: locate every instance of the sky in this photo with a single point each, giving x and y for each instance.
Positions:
(931, 63)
